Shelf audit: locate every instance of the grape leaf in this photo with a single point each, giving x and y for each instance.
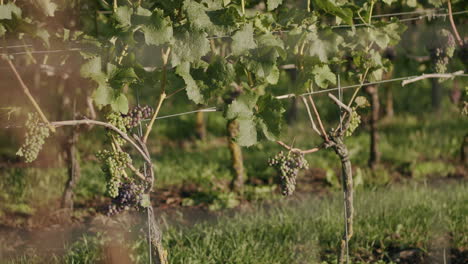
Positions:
(330, 7)
(269, 116)
(7, 10)
(197, 16)
(120, 104)
(381, 38)
(242, 106)
(2, 30)
(323, 76)
(46, 6)
(102, 95)
(193, 91)
(273, 4)
(123, 15)
(158, 30)
(93, 69)
(189, 46)
(389, 2)
(247, 132)
(243, 40)
(219, 74)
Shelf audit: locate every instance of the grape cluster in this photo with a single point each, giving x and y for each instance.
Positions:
(129, 196)
(113, 165)
(355, 120)
(36, 134)
(119, 121)
(137, 114)
(288, 166)
(442, 49)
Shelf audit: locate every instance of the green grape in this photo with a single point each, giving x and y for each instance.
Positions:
(36, 134)
(442, 49)
(119, 121)
(354, 122)
(288, 167)
(113, 165)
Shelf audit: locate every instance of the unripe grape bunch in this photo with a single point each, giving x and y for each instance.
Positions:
(113, 165)
(119, 121)
(288, 166)
(354, 122)
(442, 49)
(36, 133)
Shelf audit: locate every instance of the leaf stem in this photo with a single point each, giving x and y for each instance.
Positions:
(28, 94)
(115, 6)
(243, 6)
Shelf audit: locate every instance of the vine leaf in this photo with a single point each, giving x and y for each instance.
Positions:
(269, 116)
(243, 40)
(102, 95)
(123, 15)
(247, 132)
(330, 7)
(197, 16)
(189, 47)
(242, 107)
(7, 10)
(158, 29)
(273, 4)
(2, 30)
(46, 6)
(120, 103)
(257, 116)
(193, 91)
(323, 76)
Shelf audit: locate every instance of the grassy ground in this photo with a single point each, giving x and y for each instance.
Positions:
(425, 220)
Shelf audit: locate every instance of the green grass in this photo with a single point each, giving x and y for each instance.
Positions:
(416, 146)
(308, 230)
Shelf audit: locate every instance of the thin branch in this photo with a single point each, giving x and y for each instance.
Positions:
(165, 56)
(454, 27)
(432, 75)
(314, 127)
(339, 103)
(175, 92)
(284, 145)
(107, 125)
(137, 173)
(363, 79)
(324, 133)
(345, 117)
(28, 94)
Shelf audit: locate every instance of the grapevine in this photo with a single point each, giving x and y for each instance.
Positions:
(36, 133)
(288, 166)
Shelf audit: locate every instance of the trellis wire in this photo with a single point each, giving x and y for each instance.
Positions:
(286, 96)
